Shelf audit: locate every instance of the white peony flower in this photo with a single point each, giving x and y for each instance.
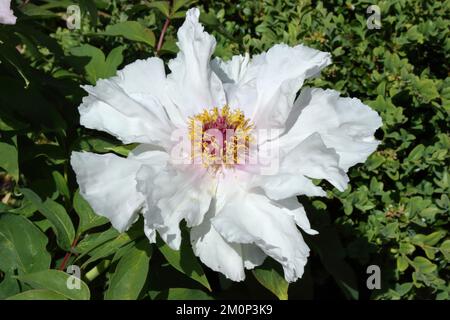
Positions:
(6, 14)
(238, 194)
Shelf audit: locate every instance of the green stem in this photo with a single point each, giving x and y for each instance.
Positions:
(97, 270)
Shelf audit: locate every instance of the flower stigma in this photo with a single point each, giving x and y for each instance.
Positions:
(220, 138)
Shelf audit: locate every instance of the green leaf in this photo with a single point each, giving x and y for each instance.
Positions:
(43, 224)
(123, 150)
(416, 153)
(272, 279)
(403, 288)
(33, 10)
(430, 239)
(429, 213)
(88, 218)
(178, 4)
(95, 144)
(209, 19)
(99, 67)
(390, 230)
(8, 286)
(23, 101)
(162, 6)
(445, 249)
(184, 261)
(22, 245)
(414, 35)
(402, 263)
(58, 217)
(26, 209)
(406, 248)
(131, 30)
(423, 265)
(111, 247)
(9, 158)
(8, 123)
(430, 252)
(94, 240)
(113, 61)
(427, 89)
(38, 294)
(184, 294)
(130, 274)
(61, 223)
(170, 46)
(122, 251)
(95, 68)
(57, 281)
(90, 7)
(61, 184)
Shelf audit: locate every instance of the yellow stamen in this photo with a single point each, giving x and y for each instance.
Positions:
(229, 126)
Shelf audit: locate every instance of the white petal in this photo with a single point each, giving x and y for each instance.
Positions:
(108, 183)
(265, 87)
(234, 71)
(143, 76)
(157, 160)
(345, 124)
(150, 232)
(281, 77)
(313, 159)
(254, 219)
(172, 195)
(109, 108)
(238, 77)
(297, 211)
(6, 14)
(145, 80)
(192, 84)
(252, 255)
(284, 185)
(215, 252)
(219, 255)
(308, 159)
